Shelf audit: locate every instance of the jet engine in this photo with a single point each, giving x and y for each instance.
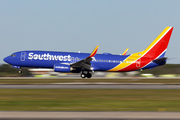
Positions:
(62, 68)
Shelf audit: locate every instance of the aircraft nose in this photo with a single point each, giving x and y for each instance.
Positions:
(6, 59)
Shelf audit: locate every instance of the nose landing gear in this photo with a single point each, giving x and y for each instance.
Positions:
(20, 71)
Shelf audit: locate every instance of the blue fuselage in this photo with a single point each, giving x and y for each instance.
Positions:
(47, 59)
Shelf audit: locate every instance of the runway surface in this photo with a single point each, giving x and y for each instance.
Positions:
(18, 115)
(90, 86)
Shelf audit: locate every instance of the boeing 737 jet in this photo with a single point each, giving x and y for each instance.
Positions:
(86, 63)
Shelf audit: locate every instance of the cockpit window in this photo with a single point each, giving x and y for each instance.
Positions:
(13, 55)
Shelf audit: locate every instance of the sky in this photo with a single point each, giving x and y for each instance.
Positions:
(81, 25)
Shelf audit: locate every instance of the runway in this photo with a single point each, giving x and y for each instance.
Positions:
(18, 115)
(52, 115)
(89, 86)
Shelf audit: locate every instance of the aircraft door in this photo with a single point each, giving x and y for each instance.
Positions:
(138, 63)
(23, 55)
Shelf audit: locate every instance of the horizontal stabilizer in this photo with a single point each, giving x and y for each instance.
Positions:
(160, 60)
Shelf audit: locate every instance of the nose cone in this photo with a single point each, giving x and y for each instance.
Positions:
(6, 59)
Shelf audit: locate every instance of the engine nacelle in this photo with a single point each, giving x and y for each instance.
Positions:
(62, 68)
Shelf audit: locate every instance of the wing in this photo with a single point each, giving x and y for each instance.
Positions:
(85, 63)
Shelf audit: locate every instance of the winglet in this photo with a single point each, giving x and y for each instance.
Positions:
(125, 51)
(94, 52)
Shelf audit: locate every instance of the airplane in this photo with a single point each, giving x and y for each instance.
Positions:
(86, 63)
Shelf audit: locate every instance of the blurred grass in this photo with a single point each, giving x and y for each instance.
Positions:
(88, 100)
(92, 80)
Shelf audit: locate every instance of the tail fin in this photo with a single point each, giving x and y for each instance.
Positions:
(158, 47)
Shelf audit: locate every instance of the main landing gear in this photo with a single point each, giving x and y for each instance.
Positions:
(84, 75)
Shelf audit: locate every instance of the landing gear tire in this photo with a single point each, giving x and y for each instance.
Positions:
(83, 75)
(89, 75)
(20, 71)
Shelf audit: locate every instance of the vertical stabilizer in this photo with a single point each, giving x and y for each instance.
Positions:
(158, 47)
